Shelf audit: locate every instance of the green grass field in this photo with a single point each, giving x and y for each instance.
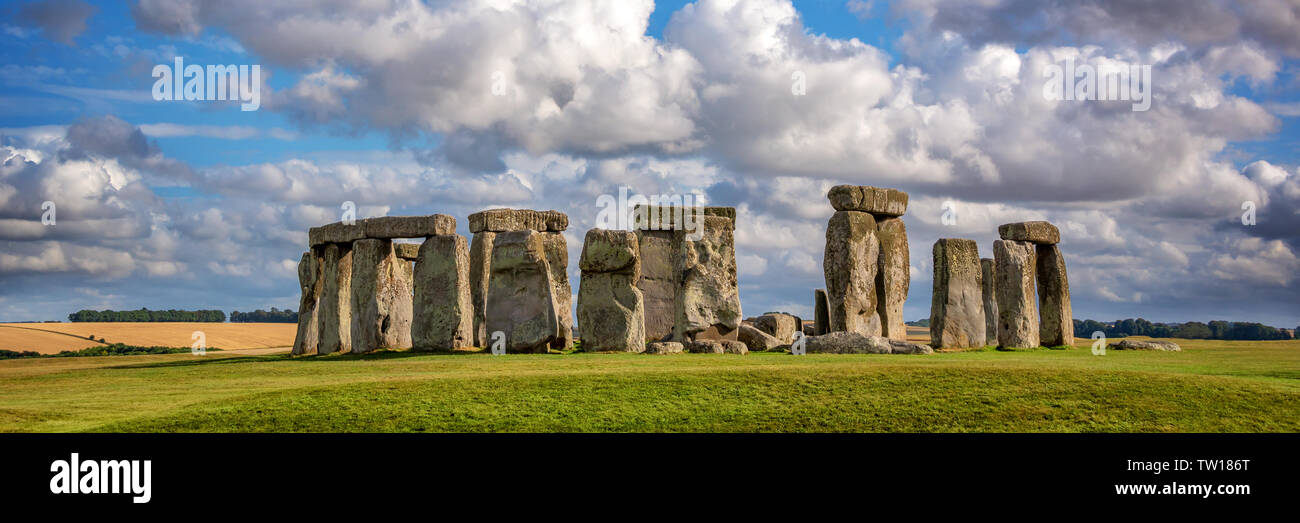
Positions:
(1213, 386)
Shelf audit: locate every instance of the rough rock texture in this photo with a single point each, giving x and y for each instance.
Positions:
(309, 284)
(670, 217)
(384, 227)
(957, 303)
(1013, 264)
(658, 283)
(381, 297)
(610, 309)
(1036, 232)
(443, 313)
(1145, 345)
(893, 277)
(713, 346)
(504, 220)
(821, 312)
(758, 340)
(334, 312)
(337, 232)
(778, 325)
(407, 251)
(874, 200)
(1056, 318)
(850, 264)
(842, 342)
(664, 347)
(988, 286)
(708, 298)
(520, 294)
(557, 258)
(480, 261)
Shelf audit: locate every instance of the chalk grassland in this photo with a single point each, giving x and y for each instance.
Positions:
(50, 338)
(1214, 386)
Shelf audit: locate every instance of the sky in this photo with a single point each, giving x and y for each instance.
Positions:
(405, 107)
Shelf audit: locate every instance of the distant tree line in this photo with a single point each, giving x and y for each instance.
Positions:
(146, 315)
(260, 316)
(1215, 330)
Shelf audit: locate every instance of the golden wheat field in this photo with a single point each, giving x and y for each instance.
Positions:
(50, 338)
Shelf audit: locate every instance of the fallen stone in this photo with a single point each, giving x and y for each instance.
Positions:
(1145, 345)
(821, 313)
(957, 302)
(708, 297)
(1036, 232)
(520, 295)
(842, 342)
(334, 312)
(381, 297)
(893, 277)
(1013, 263)
(850, 266)
(309, 284)
(505, 220)
(714, 346)
(1056, 317)
(873, 200)
(663, 347)
(988, 285)
(778, 325)
(610, 309)
(757, 340)
(658, 283)
(443, 313)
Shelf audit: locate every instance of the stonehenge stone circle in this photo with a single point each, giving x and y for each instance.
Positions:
(309, 283)
(850, 266)
(334, 311)
(443, 316)
(957, 307)
(1056, 323)
(381, 297)
(485, 226)
(1014, 267)
(821, 313)
(989, 290)
(520, 295)
(610, 308)
(893, 276)
(708, 297)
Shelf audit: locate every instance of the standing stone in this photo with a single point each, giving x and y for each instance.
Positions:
(1014, 267)
(610, 309)
(821, 313)
(334, 313)
(988, 282)
(957, 304)
(1057, 322)
(480, 260)
(309, 283)
(557, 258)
(381, 297)
(850, 264)
(443, 314)
(893, 277)
(708, 303)
(778, 325)
(520, 294)
(658, 283)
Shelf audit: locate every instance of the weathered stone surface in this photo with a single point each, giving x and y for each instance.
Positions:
(1036, 232)
(757, 340)
(715, 346)
(708, 297)
(407, 251)
(443, 313)
(389, 227)
(610, 309)
(504, 220)
(778, 325)
(658, 283)
(988, 284)
(1014, 267)
(309, 284)
(850, 264)
(480, 265)
(381, 297)
(875, 200)
(1056, 318)
(670, 217)
(520, 295)
(821, 313)
(893, 277)
(842, 342)
(557, 259)
(1145, 345)
(334, 312)
(337, 232)
(663, 347)
(957, 303)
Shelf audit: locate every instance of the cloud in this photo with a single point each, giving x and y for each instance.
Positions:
(59, 20)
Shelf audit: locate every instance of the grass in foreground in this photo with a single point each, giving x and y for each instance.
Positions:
(1211, 386)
